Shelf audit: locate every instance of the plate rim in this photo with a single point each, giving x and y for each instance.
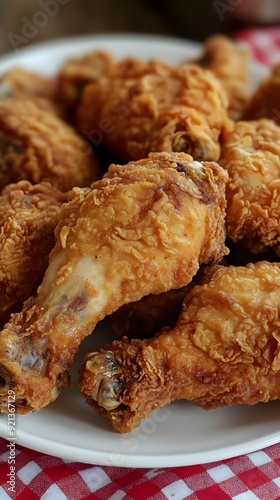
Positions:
(29, 50)
(119, 459)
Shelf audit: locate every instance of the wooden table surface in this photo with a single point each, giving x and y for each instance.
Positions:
(34, 21)
(27, 22)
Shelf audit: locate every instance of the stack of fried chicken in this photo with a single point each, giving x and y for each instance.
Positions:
(177, 240)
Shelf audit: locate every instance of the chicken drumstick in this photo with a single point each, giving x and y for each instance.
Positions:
(144, 228)
(224, 350)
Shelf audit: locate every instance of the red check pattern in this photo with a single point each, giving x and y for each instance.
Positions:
(264, 44)
(255, 476)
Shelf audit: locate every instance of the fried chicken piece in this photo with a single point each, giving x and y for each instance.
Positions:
(230, 64)
(21, 83)
(75, 74)
(143, 228)
(250, 153)
(37, 145)
(143, 318)
(265, 102)
(152, 313)
(28, 216)
(224, 350)
(153, 106)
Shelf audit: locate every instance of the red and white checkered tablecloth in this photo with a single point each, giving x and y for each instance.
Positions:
(264, 44)
(255, 476)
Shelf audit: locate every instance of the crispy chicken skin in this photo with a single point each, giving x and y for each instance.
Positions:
(75, 74)
(152, 106)
(36, 145)
(265, 102)
(230, 64)
(28, 216)
(223, 350)
(250, 153)
(143, 228)
(21, 83)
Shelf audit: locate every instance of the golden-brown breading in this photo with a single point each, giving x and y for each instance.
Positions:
(36, 145)
(265, 102)
(149, 107)
(142, 319)
(146, 317)
(250, 153)
(143, 228)
(21, 83)
(75, 74)
(230, 64)
(224, 350)
(28, 216)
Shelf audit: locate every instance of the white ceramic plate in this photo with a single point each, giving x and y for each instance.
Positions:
(181, 433)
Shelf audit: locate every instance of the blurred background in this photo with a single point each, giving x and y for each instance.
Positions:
(32, 21)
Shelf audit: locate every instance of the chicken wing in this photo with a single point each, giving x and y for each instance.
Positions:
(224, 350)
(250, 153)
(143, 228)
(230, 64)
(152, 106)
(28, 216)
(36, 145)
